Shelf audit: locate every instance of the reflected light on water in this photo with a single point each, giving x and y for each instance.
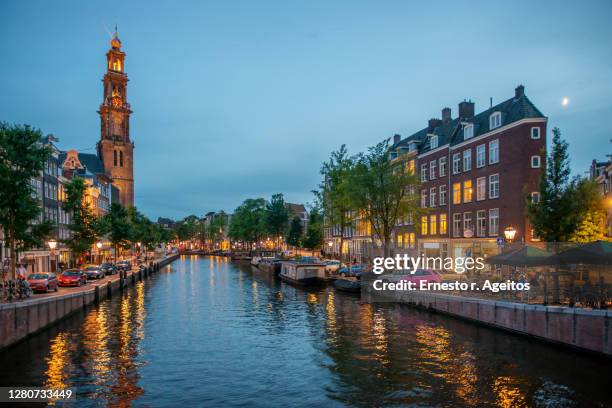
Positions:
(56, 362)
(508, 392)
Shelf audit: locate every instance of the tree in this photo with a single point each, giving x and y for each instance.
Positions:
(590, 212)
(186, 229)
(248, 221)
(22, 157)
(314, 232)
(118, 227)
(553, 216)
(217, 227)
(294, 236)
(84, 225)
(384, 191)
(277, 217)
(334, 191)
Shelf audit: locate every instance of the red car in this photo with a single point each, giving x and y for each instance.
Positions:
(73, 277)
(42, 282)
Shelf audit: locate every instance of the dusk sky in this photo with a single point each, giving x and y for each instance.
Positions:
(245, 99)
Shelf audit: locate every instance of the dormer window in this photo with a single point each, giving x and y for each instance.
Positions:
(495, 120)
(411, 146)
(468, 131)
(433, 141)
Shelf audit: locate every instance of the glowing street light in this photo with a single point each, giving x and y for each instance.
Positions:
(98, 245)
(52, 244)
(509, 233)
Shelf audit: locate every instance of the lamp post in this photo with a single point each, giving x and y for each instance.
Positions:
(99, 246)
(52, 245)
(509, 233)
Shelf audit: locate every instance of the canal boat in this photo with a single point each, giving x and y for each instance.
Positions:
(348, 285)
(270, 265)
(240, 257)
(304, 272)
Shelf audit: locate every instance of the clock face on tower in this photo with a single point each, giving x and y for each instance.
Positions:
(116, 102)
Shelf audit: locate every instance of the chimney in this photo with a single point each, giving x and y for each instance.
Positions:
(466, 110)
(446, 115)
(432, 124)
(519, 91)
(396, 139)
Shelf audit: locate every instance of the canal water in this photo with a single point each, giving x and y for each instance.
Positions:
(204, 332)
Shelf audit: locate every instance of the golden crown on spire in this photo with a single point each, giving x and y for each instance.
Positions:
(116, 42)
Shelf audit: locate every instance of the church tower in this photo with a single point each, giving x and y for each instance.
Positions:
(115, 148)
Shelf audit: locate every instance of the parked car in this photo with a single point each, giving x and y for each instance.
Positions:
(108, 268)
(354, 270)
(124, 265)
(43, 281)
(94, 272)
(427, 275)
(72, 277)
(332, 266)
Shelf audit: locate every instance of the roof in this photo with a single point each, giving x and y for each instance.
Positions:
(296, 208)
(512, 110)
(91, 161)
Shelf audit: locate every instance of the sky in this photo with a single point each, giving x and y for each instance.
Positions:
(239, 99)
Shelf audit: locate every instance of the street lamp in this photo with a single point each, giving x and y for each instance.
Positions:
(99, 246)
(52, 244)
(509, 233)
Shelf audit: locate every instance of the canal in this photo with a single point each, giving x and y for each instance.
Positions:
(206, 332)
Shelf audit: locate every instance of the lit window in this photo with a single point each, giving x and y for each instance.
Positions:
(442, 195)
(480, 156)
(457, 193)
(481, 188)
(433, 224)
(467, 191)
(456, 163)
(495, 120)
(424, 172)
(494, 151)
(481, 216)
(494, 221)
(432, 169)
(443, 224)
(433, 141)
(442, 162)
(467, 160)
(424, 225)
(432, 197)
(468, 131)
(535, 132)
(494, 186)
(535, 162)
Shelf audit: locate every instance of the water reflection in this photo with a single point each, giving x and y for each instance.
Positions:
(205, 332)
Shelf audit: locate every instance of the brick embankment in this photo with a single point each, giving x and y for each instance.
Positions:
(21, 319)
(583, 329)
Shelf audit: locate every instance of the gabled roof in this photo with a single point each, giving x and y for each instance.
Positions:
(451, 132)
(91, 161)
(296, 208)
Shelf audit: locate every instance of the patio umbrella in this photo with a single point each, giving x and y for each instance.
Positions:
(525, 256)
(593, 253)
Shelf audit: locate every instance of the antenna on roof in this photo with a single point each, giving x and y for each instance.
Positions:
(490, 102)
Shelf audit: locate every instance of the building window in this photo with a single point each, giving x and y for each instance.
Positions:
(494, 221)
(457, 193)
(412, 240)
(535, 197)
(494, 151)
(433, 141)
(481, 188)
(457, 225)
(456, 163)
(424, 172)
(432, 169)
(121, 158)
(481, 219)
(442, 166)
(467, 160)
(468, 225)
(433, 224)
(468, 131)
(494, 186)
(480, 156)
(423, 198)
(410, 167)
(115, 157)
(495, 120)
(399, 241)
(411, 146)
(467, 191)
(432, 197)
(442, 195)
(535, 132)
(424, 225)
(443, 224)
(535, 162)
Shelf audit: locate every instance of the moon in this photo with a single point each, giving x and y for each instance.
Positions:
(565, 101)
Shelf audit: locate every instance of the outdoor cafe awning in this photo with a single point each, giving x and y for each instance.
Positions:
(525, 256)
(593, 253)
